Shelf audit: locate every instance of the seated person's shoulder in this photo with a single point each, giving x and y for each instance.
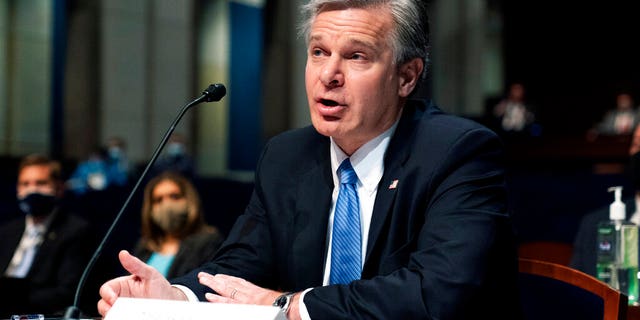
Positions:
(76, 223)
(442, 122)
(206, 235)
(12, 222)
(206, 241)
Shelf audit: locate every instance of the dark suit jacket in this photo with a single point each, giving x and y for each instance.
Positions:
(440, 243)
(194, 250)
(51, 282)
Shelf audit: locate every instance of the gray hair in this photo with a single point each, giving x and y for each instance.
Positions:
(410, 37)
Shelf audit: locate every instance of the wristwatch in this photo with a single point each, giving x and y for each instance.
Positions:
(284, 301)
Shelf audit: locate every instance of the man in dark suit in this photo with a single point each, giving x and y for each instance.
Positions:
(435, 240)
(42, 253)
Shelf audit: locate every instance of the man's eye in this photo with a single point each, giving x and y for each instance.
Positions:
(357, 56)
(316, 52)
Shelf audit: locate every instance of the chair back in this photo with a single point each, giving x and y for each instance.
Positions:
(552, 291)
(552, 251)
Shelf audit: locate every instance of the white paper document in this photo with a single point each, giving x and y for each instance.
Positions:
(154, 309)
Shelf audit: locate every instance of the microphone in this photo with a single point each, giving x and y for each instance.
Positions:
(214, 92)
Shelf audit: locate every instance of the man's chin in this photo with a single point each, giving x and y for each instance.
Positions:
(326, 128)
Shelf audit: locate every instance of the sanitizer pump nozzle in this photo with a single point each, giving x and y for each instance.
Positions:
(617, 210)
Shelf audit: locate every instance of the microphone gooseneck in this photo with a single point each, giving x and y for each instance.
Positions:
(214, 92)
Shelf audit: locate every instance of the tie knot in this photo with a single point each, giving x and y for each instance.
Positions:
(346, 173)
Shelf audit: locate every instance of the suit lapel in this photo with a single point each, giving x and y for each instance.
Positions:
(313, 203)
(12, 238)
(395, 157)
(49, 241)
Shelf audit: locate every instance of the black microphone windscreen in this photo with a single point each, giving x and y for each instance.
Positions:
(214, 92)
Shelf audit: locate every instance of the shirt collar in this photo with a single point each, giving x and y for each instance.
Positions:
(43, 225)
(367, 161)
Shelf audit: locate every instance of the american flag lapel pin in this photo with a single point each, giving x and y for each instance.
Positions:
(393, 184)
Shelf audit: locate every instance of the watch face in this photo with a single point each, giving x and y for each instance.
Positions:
(281, 301)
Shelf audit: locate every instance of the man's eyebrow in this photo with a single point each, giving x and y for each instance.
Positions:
(315, 37)
(352, 41)
(359, 42)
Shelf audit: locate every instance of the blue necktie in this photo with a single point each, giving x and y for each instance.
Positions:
(346, 242)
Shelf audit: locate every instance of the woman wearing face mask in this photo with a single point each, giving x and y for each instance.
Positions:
(175, 237)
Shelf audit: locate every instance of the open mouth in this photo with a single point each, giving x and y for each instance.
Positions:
(329, 103)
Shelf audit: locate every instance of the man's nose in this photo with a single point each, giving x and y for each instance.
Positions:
(331, 74)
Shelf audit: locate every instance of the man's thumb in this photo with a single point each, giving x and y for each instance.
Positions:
(134, 265)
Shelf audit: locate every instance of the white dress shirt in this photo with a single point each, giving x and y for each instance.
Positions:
(32, 237)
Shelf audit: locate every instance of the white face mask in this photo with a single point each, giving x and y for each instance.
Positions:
(115, 152)
(175, 149)
(170, 216)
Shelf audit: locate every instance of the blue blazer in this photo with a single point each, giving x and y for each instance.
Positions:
(440, 243)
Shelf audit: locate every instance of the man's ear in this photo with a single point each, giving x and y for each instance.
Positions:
(410, 73)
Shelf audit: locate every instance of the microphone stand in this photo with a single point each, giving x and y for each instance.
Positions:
(214, 92)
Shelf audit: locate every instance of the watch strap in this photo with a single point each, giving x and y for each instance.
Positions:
(284, 301)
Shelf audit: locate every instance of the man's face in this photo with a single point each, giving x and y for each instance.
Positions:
(353, 86)
(624, 102)
(36, 178)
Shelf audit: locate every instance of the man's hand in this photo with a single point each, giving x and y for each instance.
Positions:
(144, 282)
(236, 290)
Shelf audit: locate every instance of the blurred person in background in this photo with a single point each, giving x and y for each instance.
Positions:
(175, 237)
(90, 174)
(104, 167)
(512, 112)
(175, 157)
(620, 121)
(42, 253)
(118, 162)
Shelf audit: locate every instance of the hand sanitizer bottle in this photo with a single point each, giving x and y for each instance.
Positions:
(617, 252)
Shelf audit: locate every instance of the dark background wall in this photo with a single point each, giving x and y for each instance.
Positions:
(573, 57)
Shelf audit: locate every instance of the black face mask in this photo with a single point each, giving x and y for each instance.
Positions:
(37, 204)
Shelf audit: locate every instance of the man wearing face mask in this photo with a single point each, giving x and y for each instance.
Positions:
(584, 247)
(44, 251)
(175, 158)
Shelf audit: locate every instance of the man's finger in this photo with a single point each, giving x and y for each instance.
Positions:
(227, 277)
(214, 283)
(134, 265)
(103, 307)
(211, 297)
(110, 290)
